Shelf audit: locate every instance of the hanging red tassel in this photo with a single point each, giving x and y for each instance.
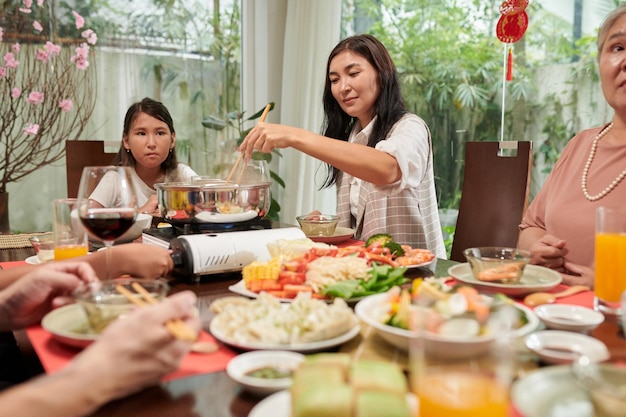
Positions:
(509, 65)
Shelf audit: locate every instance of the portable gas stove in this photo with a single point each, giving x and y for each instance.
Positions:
(213, 248)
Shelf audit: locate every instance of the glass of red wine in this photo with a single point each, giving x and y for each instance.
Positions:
(107, 203)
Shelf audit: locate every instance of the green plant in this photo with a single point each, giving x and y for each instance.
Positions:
(450, 65)
(448, 231)
(235, 121)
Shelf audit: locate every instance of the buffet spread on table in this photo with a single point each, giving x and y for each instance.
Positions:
(358, 299)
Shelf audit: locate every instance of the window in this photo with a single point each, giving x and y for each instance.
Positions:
(452, 68)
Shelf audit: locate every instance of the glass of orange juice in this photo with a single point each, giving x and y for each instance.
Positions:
(457, 382)
(70, 238)
(610, 259)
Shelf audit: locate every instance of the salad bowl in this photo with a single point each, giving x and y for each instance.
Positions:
(374, 309)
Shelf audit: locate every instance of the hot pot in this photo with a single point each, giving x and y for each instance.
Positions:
(212, 201)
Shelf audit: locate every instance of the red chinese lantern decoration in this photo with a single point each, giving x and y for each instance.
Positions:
(511, 27)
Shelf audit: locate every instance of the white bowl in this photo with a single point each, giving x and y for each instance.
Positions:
(559, 347)
(569, 317)
(142, 221)
(371, 309)
(241, 364)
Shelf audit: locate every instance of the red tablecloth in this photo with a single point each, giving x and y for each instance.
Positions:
(54, 355)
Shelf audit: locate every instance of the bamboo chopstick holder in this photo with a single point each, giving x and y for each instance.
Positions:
(177, 327)
(266, 110)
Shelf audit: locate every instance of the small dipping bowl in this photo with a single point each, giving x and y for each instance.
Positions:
(318, 224)
(43, 246)
(605, 383)
(569, 317)
(103, 303)
(497, 264)
(256, 371)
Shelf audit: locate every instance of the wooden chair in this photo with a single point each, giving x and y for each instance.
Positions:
(82, 153)
(494, 195)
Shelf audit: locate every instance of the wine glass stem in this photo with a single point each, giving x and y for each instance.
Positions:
(108, 245)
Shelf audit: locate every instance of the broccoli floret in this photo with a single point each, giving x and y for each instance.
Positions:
(395, 248)
(381, 238)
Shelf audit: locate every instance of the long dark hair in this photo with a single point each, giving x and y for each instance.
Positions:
(389, 106)
(157, 110)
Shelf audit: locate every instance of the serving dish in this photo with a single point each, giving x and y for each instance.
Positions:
(497, 263)
(550, 392)
(318, 224)
(243, 363)
(560, 347)
(218, 201)
(569, 317)
(535, 278)
(69, 326)
(300, 347)
(371, 309)
(279, 405)
(240, 288)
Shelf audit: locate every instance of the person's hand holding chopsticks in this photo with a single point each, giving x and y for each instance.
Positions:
(138, 350)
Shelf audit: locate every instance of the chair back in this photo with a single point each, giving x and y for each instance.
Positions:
(80, 154)
(494, 195)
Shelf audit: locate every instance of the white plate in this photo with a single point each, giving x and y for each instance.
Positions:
(68, 325)
(240, 288)
(569, 317)
(33, 260)
(535, 278)
(567, 346)
(209, 217)
(249, 361)
(550, 392)
(422, 265)
(372, 308)
(279, 405)
(341, 235)
(301, 347)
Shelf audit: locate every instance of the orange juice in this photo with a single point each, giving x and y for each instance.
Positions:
(610, 280)
(460, 394)
(69, 251)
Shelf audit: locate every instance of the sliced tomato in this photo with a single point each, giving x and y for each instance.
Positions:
(291, 278)
(318, 296)
(330, 251)
(380, 250)
(372, 257)
(295, 265)
(259, 285)
(278, 293)
(292, 290)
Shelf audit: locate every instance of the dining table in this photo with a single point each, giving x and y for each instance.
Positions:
(209, 391)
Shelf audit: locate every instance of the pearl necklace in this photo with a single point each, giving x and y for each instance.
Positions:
(592, 153)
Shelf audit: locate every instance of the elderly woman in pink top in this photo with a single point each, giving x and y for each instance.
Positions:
(559, 225)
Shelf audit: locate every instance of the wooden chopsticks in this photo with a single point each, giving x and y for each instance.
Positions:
(266, 110)
(177, 327)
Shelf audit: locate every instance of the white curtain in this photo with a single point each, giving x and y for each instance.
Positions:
(285, 47)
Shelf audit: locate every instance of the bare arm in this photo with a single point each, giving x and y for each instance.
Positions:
(529, 236)
(135, 259)
(130, 355)
(360, 161)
